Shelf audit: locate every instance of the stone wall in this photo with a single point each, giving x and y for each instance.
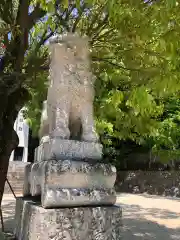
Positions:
(164, 183)
(16, 177)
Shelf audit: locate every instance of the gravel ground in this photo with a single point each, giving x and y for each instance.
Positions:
(148, 217)
(144, 217)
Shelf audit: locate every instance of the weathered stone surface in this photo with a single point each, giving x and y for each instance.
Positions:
(58, 148)
(27, 180)
(90, 223)
(70, 174)
(42, 152)
(44, 127)
(36, 179)
(53, 197)
(73, 174)
(69, 113)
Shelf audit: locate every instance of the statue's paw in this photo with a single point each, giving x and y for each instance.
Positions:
(45, 139)
(61, 133)
(90, 137)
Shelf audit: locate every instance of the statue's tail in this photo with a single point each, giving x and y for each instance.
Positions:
(44, 127)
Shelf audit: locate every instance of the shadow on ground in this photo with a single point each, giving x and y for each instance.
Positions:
(143, 224)
(8, 211)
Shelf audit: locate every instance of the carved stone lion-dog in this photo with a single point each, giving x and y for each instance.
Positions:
(68, 111)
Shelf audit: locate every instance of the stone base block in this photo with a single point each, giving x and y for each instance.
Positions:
(68, 149)
(83, 223)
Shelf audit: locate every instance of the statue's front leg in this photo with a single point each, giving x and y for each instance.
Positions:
(61, 115)
(89, 133)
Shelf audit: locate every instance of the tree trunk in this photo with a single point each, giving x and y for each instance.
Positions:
(9, 141)
(8, 137)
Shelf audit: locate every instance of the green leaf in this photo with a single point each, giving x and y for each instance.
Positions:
(171, 3)
(66, 3)
(78, 4)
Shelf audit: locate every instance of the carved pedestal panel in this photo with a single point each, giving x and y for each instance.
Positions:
(69, 197)
(63, 149)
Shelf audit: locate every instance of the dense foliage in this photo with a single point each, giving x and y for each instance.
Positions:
(135, 57)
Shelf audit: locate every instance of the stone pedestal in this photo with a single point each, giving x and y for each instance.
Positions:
(83, 223)
(71, 182)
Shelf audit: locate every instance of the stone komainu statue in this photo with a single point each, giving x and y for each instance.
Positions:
(69, 174)
(68, 111)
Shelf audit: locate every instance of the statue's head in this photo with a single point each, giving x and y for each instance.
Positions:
(79, 46)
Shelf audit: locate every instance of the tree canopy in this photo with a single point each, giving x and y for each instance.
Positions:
(135, 58)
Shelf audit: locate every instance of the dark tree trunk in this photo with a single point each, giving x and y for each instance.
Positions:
(8, 137)
(12, 94)
(9, 141)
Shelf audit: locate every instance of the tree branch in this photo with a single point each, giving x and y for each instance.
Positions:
(78, 18)
(104, 35)
(16, 49)
(95, 17)
(64, 17)
(19, 43)
(11, 82)
(114, 64)
(22, 12)
(20, 37)
(36, 15)
(100, 27)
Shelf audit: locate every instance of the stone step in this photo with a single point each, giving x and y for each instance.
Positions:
(15, 176)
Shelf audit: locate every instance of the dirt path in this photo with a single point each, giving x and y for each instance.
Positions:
(144, 217)
(150, 217)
